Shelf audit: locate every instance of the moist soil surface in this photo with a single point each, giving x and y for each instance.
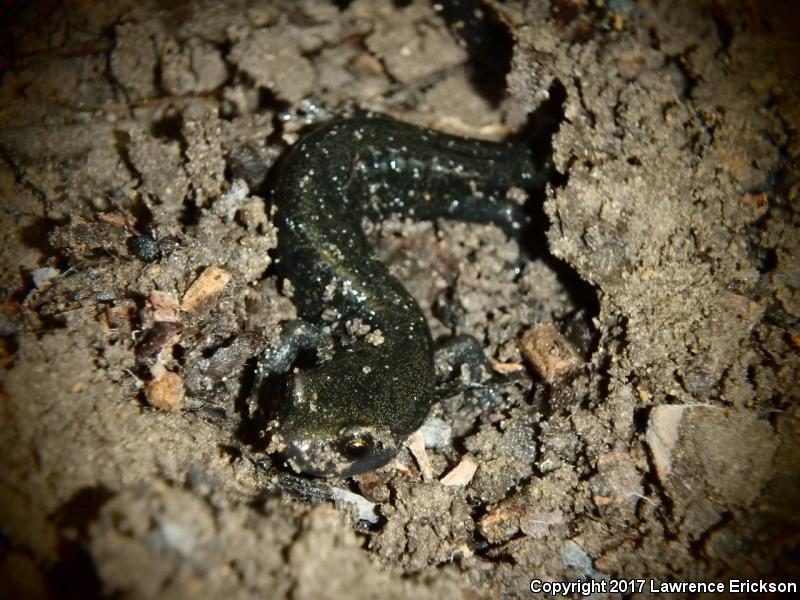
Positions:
(641, 418)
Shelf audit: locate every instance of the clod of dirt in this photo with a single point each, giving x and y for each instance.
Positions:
(161, 168)
(414, 44)
(195, 67)
(134, 60)
(174, 539)
(271, 58)
(165, 391)
(710, 461)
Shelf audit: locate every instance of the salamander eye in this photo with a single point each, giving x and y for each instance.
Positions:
(357, 446)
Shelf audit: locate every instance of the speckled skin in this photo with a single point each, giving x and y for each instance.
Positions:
(379, 388)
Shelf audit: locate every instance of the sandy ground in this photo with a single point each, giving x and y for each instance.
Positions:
(654, 431)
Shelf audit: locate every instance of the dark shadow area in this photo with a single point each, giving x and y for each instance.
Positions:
(251, 427)
(74, 575)
(19, 19)
(538, 133)
(37, 235)
(487, 40)
(169, 128)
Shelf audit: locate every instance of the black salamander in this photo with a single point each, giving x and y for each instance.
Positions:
(353, 410)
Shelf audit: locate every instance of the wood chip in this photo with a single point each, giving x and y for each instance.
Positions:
(462, 473)
(165, 392)
(210, 282)
(550, 354)
(506, 367)
(118, 220)
(416, 445)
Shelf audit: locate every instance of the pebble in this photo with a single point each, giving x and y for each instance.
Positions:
(548, 352)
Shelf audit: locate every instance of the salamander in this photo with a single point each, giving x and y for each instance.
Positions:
(374, 380)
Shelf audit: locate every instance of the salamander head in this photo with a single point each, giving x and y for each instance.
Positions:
(330, 424)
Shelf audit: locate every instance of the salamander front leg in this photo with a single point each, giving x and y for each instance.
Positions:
(296, 337)
(461, 365)
(308, 490)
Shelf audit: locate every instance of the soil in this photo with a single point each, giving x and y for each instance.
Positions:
(648, 425)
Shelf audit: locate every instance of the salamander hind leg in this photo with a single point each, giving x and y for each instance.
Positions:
(461, 365)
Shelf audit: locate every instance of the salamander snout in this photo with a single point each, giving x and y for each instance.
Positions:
(340, 456)
(319, 437)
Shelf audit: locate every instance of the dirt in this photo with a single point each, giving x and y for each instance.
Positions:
(135, 140)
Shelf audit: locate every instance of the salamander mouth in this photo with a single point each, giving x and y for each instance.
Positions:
(323, 458)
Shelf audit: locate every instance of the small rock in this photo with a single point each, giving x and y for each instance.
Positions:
(703, 456)
(436, 433)
(196, 67)
(365, 510)
(42, 277)
(662, 435)
(578, 562)
(146, 248)
(549, 353)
